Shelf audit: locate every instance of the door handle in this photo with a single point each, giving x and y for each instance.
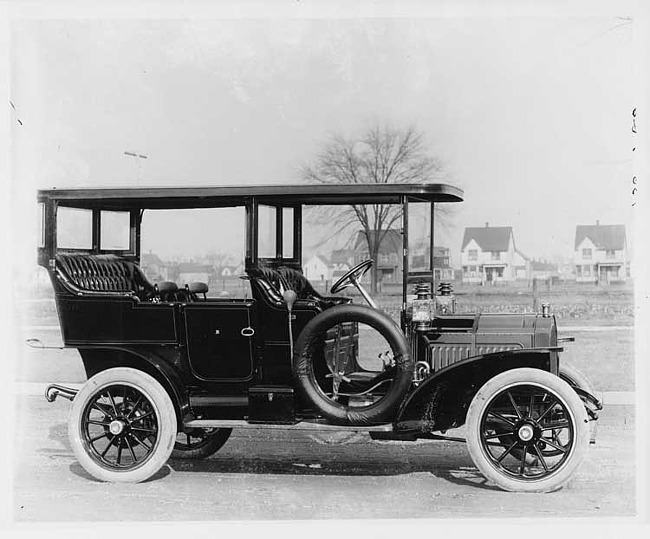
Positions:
(247, 332)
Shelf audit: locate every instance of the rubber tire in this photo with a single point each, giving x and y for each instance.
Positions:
(303, 371)
(165, 416)
(215, 442)
(569, 399)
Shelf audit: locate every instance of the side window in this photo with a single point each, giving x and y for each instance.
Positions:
(74, 228)
(41, 224)
(196, 244)
(115, 230)
(287, 232)
(266, 216)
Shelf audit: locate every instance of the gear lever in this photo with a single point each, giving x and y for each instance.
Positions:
(290, 298)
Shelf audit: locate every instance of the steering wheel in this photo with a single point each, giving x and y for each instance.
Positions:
(354, 274)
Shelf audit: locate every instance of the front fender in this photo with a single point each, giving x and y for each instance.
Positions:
(440, 402)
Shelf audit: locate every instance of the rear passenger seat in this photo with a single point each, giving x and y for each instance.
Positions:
(104, 273)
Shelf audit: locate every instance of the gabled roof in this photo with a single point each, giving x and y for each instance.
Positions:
(342, 256)
(391, 243)
(151, 259)
(323, 259)
(489, 238)
(604, 237)
(230, 267)
(522, 255)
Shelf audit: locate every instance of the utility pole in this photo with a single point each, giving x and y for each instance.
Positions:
(138, 161)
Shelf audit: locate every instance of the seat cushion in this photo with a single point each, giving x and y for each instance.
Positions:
(103, 273)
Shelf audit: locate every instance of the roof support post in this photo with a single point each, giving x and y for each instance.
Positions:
(431, 252)
(405, 253)
(251, 233)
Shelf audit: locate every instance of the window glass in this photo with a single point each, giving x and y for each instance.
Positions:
(74, 228)
(266, 230)
(115, 230)
(419, 243)
(472, 254)
(287, 232)
(41, 224)
(196, 244)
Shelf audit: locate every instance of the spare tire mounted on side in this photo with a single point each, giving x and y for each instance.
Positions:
(307, 349)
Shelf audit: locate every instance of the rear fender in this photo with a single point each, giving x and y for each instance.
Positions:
(440, 402)
(99, 359)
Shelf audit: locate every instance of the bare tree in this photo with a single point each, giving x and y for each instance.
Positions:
(381, 154)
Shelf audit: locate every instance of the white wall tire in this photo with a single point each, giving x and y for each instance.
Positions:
(122, 426)
(537, 411)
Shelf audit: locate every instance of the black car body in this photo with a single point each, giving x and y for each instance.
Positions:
(172, 370)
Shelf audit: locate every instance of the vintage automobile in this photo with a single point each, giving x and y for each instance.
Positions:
(172, 370)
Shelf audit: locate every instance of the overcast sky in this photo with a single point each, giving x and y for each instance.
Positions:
(531, 116)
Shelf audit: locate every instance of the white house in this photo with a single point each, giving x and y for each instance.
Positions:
(521, 266)
(318, 269)
(489, 255)
(189, 272)
(601, 254)
(230, 271)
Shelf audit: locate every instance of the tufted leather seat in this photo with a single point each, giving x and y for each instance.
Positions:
(270, 281)
(104, 273)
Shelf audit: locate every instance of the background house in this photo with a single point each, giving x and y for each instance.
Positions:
(544, 270)
(389, 259)
(230, 271)
(189, 272)
(488, 254)
(154, 268)
(419, 261)
(318, 269)
(600, 254)
(522, 266)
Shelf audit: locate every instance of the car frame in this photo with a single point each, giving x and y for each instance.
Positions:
(171, 371)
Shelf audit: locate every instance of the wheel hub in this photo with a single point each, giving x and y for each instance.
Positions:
(526, 432)
(116, 427)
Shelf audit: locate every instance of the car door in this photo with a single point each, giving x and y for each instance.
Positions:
(220, 340)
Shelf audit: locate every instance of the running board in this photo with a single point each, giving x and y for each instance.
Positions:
(301, 425)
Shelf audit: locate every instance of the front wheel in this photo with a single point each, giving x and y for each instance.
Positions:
(122, 426)
(522, 413)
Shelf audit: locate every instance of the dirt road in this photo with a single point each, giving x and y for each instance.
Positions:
(279, 475)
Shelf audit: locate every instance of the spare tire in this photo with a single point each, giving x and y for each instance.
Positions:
(309, 348)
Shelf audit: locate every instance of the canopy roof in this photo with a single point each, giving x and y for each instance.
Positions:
(223, 196)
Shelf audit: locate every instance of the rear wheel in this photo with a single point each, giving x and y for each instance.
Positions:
(122, 426)
(199, 443)
(527, 430)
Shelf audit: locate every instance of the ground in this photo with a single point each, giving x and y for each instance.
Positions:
(276, 475)
(264, 474)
